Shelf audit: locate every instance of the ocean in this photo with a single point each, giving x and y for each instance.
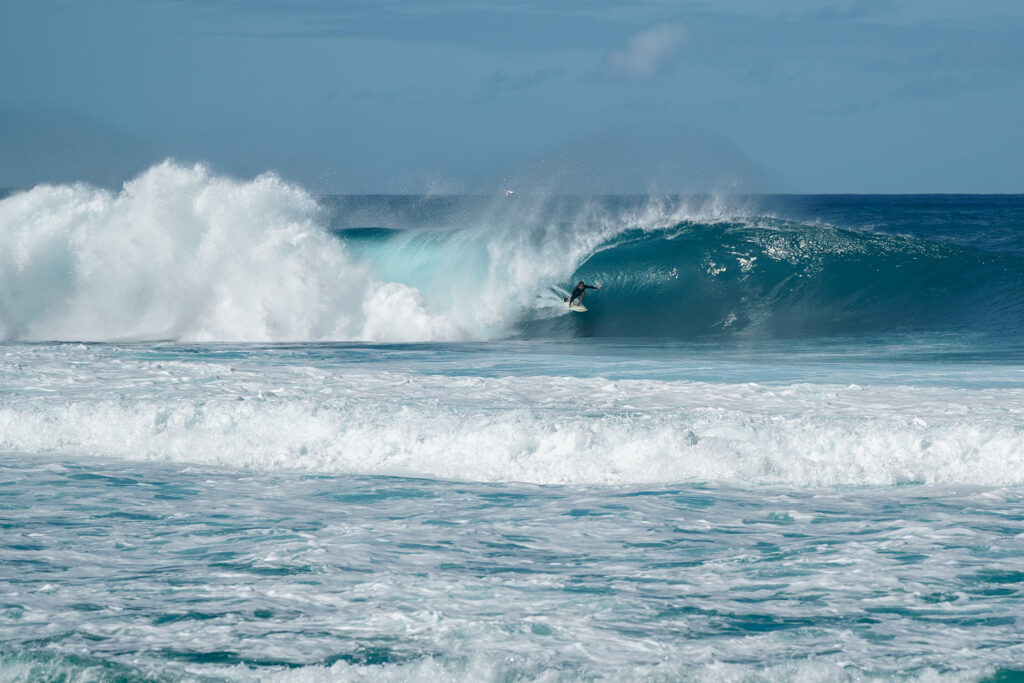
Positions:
(252, 433)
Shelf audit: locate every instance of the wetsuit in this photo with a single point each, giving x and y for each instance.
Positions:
(578, 292)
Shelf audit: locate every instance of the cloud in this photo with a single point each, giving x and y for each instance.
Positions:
(860, 9)
(647, 52)
(953, 84)
(501, 82)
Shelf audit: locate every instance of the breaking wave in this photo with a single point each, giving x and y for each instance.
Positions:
(182, 254)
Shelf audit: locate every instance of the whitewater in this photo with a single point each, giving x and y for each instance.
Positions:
(250, 433)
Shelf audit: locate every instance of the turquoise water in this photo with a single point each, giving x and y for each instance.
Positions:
(242, 437)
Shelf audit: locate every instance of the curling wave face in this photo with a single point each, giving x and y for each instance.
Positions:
(766, 278)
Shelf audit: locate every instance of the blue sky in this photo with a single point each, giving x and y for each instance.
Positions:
(472, 96)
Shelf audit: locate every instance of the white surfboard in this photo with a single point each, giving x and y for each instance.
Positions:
(579, 308)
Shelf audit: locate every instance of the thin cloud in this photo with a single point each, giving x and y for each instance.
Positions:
(501, 82)
(860, 9)
(647, 52)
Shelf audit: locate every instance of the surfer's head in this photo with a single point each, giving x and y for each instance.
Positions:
(580, 284)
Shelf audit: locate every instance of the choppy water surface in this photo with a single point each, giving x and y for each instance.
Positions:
(117, 569)
(228, 511)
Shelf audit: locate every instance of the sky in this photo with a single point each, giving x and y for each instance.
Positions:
(588, 96)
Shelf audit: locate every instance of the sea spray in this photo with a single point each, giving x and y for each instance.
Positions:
(182, 254)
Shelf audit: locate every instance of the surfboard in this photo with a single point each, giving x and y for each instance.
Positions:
(579, 308)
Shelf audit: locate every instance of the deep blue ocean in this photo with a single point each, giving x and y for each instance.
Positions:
(251, 433)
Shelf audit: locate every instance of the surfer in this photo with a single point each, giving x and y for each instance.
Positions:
(579, 292)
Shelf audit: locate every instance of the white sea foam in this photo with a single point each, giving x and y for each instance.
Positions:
(543, 429)
(182, 254)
